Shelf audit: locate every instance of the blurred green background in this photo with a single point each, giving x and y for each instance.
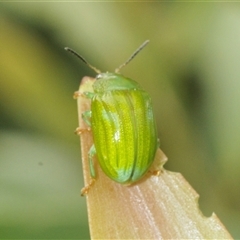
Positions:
(191, 68)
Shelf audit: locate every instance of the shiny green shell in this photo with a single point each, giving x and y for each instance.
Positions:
(123, 126)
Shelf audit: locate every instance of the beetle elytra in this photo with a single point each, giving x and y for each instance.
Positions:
(123, 125)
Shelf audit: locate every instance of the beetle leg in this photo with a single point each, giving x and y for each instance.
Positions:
(155, 172)
(91, 154)
(86, 117)
(78, 94)
(89, 95)
(80, 130)
(86, 189)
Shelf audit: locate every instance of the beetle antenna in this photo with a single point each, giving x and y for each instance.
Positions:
(132, 56)
(83, 59)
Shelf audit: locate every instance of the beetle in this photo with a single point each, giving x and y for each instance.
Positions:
(122, 123)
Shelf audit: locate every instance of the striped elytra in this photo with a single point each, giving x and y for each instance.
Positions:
(123, 126)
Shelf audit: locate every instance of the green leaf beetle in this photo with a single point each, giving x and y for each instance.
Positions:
(123, 125)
